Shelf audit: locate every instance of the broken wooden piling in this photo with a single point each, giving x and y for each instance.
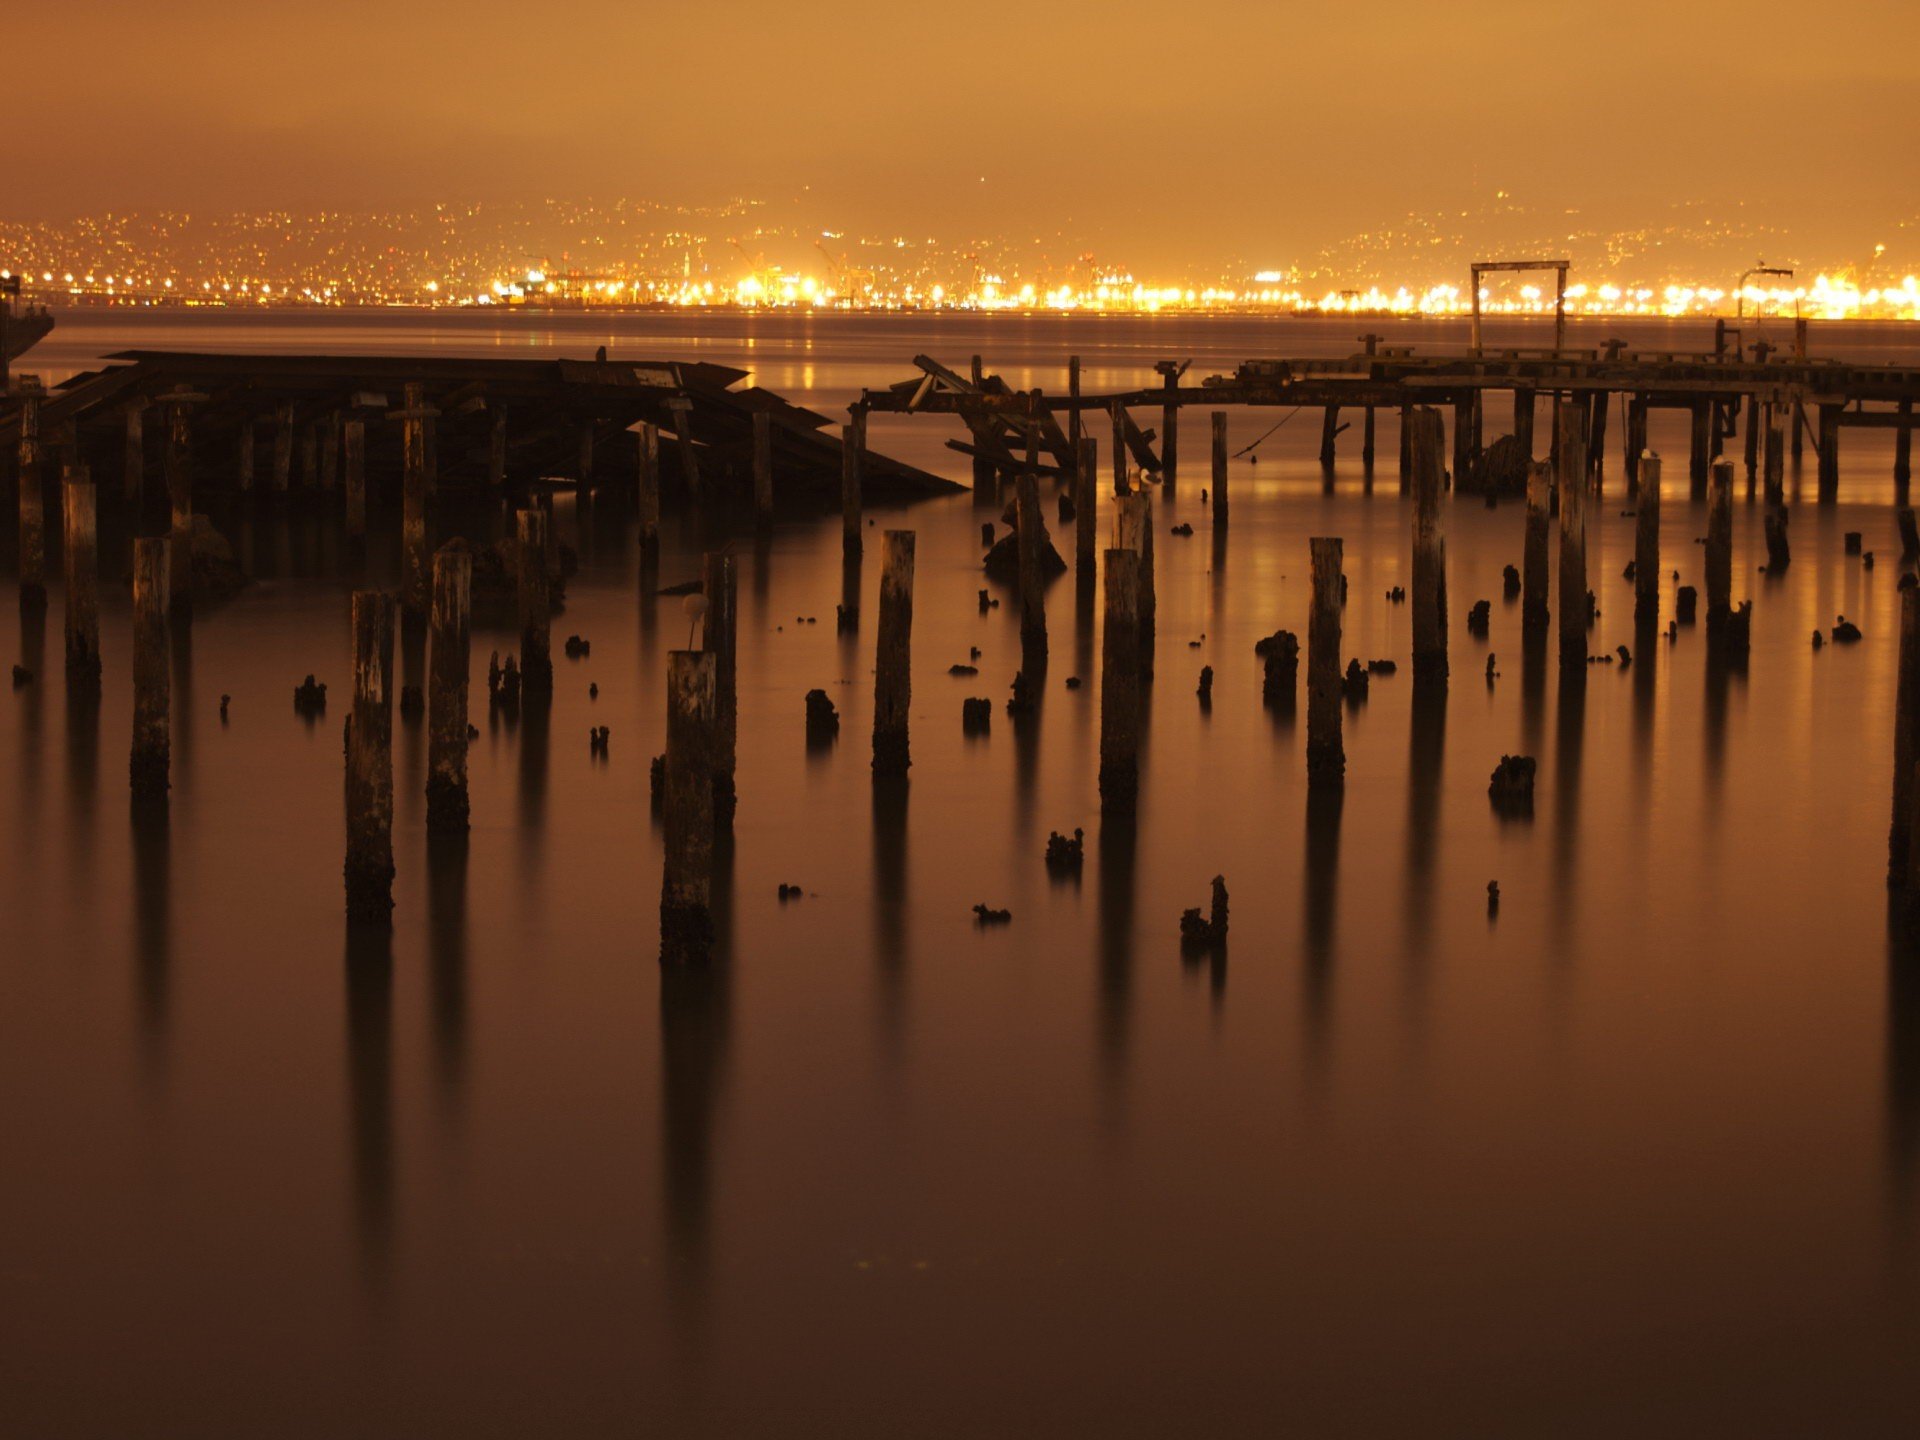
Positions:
(447, 683)
(720, 582)
(1646, 545)
(1774, 493)
(180, 496)
(80, 554)
(1329, 430)
(1220, 504)
(1534, 566)
(686, 879)
(1135, 533)
(893, 656)
(1700, 452)
(369, 866)
(1829, 441)
(1120, 690)
(647, 439)
(1429, 551)
(1119, 414)
(497, 447)
(536, 617)
(853, 445)
(152, 676)
(1086, 508)
(416, 562)
(1571, 480)
(33, 521)
(1719, 557)
(1326, 752)
(1032, 535)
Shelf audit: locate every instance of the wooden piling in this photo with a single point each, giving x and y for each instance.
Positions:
(1719, 558)
(1170, 435)
(282, 448)
(152, 677)
(536, 640)
(1073, 411)
(1463, 413)
(1830, 453)
(309, 457)
(1429, 552)
(1906, 739)
(180, 500)
(763, 469)
(1033, 596)
(243, 458)
(720, 581)
(1406, 448)
(369, 867)
(1086, 506)
(1774, 461)
(1774, 492)
(853, 448)
(1571, 481)
(687, 821)
(583, 466)
(1134, 529)
(1636, 440)
(1120, 689)
(32, 513)
(1700, 455)
(1523, 401)
(416, 562)
(1326, 753)
(1903, 452)
(1534, 567)
(447, 685)
(1120, 486)
(648, 444)
(1329, 430)
(80, 552)
(133, 464)
(1597, 439)
(689, 458)
(1646, 545)
(355, 443)
(1221, 513)
(893, 656)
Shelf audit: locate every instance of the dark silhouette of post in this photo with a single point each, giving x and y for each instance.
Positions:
(720, 580)
(1429, 551)
(1086, 506)
(355, 443)
(369, 867)
(416, 559)
(1646, 545)
(686, 878)
(152, 678)
(536, 618)
(180, 496)
(1830, 452)
(1135, 533)
(893, 656)
(1571, 478)
(1774, 490)
(1906, 739)
(1120, 690)
(584, 469)
(1326, 753)
(33, 520)
(762, 469)
(853, 447)
(1170, 432)
(648, 446)
(133, 463)
(1719, 558)
(81, 553)
(447, 681)
(1119, 448)
(1220, 508)
(1031, 533)
(243, 457)
(282, 449)
(1535, 570)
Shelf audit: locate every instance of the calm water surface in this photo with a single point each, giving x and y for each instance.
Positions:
(1637, 1155)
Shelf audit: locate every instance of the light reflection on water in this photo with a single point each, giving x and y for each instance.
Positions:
(1642, 1147)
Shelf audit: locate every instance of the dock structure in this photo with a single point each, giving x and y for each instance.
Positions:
(1825, 397)
(494, 423)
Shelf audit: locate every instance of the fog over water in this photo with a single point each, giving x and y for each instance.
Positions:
(1639, 1153)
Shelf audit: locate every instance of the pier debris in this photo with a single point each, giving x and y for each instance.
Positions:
(1480, 617)
(1492, 673)
(1493, 897)
(790, 892)
(1120, 685)
(1511, 788)
(1023, 700)
(823, 721)
(1851, 540)
(1181, 529)
(657, 782)
(985, 915)
(309, 697)
(1281, 675)
(1509, 582)
(1205, 689)
(1686, 601)
(1209, 933)
(597, 736)
(1066, 853)
(22, 676)
(976, 715)
(1355, 683)
(1845, 632)
(577, 649)
(963, 670)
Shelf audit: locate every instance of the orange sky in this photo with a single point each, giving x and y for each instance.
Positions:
(1274, 124)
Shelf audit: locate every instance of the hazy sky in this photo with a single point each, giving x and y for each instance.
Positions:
(1257, 124)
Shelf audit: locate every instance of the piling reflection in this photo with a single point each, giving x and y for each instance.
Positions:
(1569, 741)
(1903, 1086)
(447, 960)
(152, 929)
(1319, 907)
(180, 644)
(27, 695)
(1426, 749)
(536, 720)
(1647, 654)
(695, 1006)
(1119, 854)
(1533, 688)
(890, 906)
(83, 769)
(369, 965)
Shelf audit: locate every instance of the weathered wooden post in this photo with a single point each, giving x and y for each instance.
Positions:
(1463, 412)
(1220, 505)
(152, 678)
(1086, 500)
(1170, 430)
(1429, 552)
(1903, 453)
(1326, 753)
(1406, 448)
(1135, 533)
(1719, 546)
(80, 552)
(1646, 545)
(1576, 611)
(416, 557)
(282, 448)
(1774, 463)
(180, 494)
(447, 684)
(496, 445)
(1120, 698)
(1119, 448)
(686, 880)
(1774, 493)
(1906, 738)
(33, 520)
(1636, 440)
(369, 867)
(1329, 430)
(1534, 567)
(1073, 410)
(133, 465)
(682, 410)
(1597, 439)
(536, 640)
(893, 656)
(1830, 453)
(355, 441)
(1523, 399)
(853, 447)
(1700, 456)
(763, 469)
(720, 581)
(648, 438)
(1031, 534)
(1366, 434)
